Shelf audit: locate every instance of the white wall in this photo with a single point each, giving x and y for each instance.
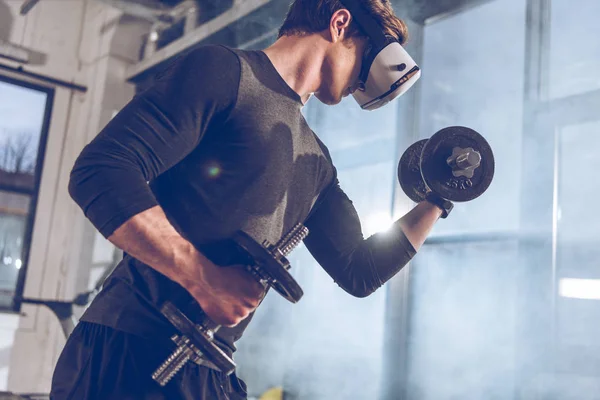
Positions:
(90, 44)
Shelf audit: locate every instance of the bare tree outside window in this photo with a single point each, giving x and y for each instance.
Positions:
(18, 152)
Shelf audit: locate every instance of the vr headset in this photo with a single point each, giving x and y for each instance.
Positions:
(388, 71)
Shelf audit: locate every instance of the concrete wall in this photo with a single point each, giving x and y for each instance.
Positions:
(90, 44)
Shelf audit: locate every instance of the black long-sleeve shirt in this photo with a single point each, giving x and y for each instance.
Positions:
(220, 143)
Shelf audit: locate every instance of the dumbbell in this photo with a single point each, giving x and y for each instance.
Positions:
(456, 164)
(268, 265)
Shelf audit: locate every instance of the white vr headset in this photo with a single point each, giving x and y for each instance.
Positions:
(388, 70)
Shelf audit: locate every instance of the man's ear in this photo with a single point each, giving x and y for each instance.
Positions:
(339, 24)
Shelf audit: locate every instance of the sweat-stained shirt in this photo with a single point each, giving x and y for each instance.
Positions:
(220, 143)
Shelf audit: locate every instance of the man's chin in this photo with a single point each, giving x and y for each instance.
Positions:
(323, 99)
(329, 100)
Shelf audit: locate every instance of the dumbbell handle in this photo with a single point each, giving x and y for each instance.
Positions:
(186, 351)
(284, 247)
(169, 368)
(209, 326)
(290, 241)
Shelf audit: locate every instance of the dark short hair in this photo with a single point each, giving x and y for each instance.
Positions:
(311, 16)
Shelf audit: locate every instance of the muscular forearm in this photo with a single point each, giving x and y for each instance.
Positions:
(418, 222)
(360, 266)
(388, 252)
(226, 295)
(150, 238)
(377, 259)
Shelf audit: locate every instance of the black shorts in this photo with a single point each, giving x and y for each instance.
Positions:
(101, 363)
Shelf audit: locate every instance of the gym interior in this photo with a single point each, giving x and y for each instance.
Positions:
(501, 302)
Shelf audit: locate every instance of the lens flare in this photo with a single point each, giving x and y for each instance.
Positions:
(213, 170)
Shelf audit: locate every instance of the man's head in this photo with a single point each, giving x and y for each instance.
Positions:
(347, 42)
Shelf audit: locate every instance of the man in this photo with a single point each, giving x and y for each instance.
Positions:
(218, 144)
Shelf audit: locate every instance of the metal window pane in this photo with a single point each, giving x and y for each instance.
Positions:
(473, 75)
(578, 165)
(575, 49)
(14, 213)
(578, 229)
(462, 322)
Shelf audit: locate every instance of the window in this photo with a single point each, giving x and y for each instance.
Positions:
(24, 118)
(574, 48)
(462, 322)
(473, 76)
(461, 325)
(577, 250)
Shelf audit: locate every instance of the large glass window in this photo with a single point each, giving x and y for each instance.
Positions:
(575, 49)
(24, 115)
(578, 163)
(461, 327)
(577, 285)
(473, 67)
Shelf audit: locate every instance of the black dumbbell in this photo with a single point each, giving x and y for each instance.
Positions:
(194, 343)
(456, 163)
(268, 265)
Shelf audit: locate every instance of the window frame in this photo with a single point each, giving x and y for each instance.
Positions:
(34, 193)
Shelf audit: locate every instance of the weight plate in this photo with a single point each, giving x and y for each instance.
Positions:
(282, 281)
(200, 339)
(409, 172)
(285, 284)
(438, 175)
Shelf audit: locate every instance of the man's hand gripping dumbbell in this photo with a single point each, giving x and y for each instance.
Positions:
(268, 265)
